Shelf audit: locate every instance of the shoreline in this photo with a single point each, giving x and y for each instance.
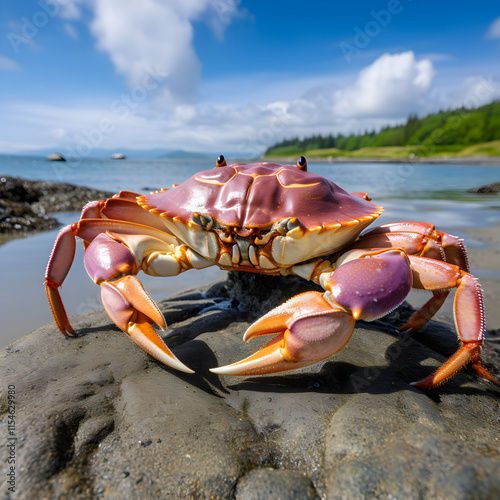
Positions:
(469, 161)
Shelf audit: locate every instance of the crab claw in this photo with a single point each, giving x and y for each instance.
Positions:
(134, 311)
(309, 329)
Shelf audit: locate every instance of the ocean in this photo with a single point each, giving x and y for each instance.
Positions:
(426, 192)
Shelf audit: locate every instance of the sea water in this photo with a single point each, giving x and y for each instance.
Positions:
(426, 192)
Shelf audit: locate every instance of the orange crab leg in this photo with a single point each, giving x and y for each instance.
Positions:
(430, 274)
(411, 243)
(418, 238)
(127, 195)
(58, 267)
(453, 246)
(88, 229)
(425, 313)
(124, 209)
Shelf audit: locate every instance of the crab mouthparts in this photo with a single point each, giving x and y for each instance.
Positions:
(232, 247)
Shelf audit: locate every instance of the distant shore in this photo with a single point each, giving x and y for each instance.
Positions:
(479, 161)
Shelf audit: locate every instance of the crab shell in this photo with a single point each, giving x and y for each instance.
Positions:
(261, 217)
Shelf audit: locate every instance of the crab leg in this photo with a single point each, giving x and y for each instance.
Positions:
(124, 209)
(313, 326)
(58, 267)
(63, 253)
(411, 243)
(453, 246)
(425, 313)
(430, 274)
(116, 251)
(419, 238)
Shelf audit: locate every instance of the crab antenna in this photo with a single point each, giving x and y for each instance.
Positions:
(302, 163)
(221, 161)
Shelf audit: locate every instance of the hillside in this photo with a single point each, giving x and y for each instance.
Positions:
(459, 132)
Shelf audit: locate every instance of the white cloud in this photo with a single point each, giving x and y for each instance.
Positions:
(157, 34)
(477, 91)
(392, 86)
(383, 93)
(494, 29)
(8, 64)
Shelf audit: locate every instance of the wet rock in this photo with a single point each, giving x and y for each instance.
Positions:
(24, 204)
(349, 427)
(268, 484)
(490, 188)
(18, 217)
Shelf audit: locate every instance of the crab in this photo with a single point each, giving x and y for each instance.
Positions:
(275, 220)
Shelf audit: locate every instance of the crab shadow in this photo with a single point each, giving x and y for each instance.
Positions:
(406, 359)
(406, 362)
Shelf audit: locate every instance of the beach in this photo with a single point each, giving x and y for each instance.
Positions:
(106, 419)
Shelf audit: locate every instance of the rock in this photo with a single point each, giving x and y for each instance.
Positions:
(266, 484)
(55, 157)
(95, 416)
(18, 217)
(24, 204)
(490, 188)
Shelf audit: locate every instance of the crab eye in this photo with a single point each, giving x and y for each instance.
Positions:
(302, 163)
(286, 225)
(205, 221)
(221, 161)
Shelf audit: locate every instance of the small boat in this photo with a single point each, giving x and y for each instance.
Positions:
(118, 156)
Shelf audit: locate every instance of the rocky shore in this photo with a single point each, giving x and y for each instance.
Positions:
(488, 189)
(96, 417)
(25, 205)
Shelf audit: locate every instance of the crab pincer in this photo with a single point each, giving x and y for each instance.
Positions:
(312, 326)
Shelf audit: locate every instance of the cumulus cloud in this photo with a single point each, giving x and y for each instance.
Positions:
(392, 86)
(494, 29)
(154, 35)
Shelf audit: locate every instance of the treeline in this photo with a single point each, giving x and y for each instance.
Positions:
(461, 126)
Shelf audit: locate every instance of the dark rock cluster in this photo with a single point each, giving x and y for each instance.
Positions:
(25, 205)
(490, 188)
(96, 417)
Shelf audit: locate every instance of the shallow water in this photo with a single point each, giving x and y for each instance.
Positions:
(381, 180)
(431, 193)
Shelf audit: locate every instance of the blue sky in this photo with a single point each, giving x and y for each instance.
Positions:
(223, 75)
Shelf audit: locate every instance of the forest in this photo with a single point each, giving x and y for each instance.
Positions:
(445, 132)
